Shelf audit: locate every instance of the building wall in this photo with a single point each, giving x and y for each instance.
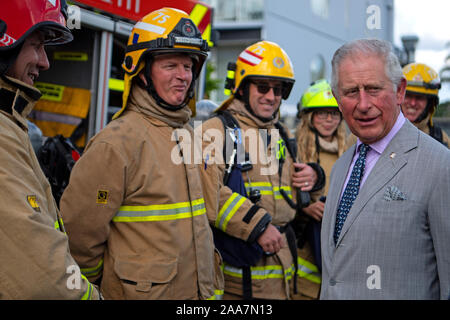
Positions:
(304, 35)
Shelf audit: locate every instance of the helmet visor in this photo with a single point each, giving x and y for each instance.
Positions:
(55, 34)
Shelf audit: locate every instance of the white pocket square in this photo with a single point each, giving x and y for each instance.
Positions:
(393, 193)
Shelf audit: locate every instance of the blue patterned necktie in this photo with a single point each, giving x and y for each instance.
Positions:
(351, 191)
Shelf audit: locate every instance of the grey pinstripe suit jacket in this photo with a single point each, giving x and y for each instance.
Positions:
(395, 243)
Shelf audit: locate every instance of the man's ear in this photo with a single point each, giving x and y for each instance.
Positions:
(142, 77)
(401, 90)
(337, 100)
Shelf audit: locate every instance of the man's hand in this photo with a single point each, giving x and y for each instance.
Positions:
(271, 239)
(315, 210)
(304, 177)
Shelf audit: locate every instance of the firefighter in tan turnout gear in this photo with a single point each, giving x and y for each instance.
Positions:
(35, 262)
(253, 185)
(422, 99)
(134, 208)
(320, 138)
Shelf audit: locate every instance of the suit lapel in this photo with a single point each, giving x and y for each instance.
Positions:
(384, 170)
(336, 187)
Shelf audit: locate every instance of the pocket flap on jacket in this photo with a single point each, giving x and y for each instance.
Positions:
(149, 270)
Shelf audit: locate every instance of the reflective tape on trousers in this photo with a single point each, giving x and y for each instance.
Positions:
(308, 271)
(260, 272)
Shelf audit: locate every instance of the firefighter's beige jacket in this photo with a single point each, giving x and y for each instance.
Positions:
(35, 262)
(424, 126)
(326, 154)
(231, 212)
(135, 213)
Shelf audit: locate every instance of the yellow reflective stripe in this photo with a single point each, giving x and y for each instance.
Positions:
(308, 271)
(207, 35)
(288, 273)
(277, 193)
(263, 192)
(161, 212)
(93, 271)
(116, 84)
(259, 184)
(307, 264)
(266, 188)
(218, 295)
(88, 294)
(228, 210)
(198, 13)
(59, 227)
(162, 206)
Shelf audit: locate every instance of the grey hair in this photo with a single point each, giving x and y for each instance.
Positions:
(376, 47)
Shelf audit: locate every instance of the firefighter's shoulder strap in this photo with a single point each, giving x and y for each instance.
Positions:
(231, 126)
(302, 197)
(236, 251)
(290, 142)
(230, 123)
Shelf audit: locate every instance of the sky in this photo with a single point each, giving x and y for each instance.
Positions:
(430, 21)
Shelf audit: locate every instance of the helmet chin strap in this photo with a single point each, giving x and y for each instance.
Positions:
(425, 111)
(160, 101)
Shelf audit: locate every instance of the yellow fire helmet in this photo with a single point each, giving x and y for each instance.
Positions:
(264, 59)
(318, 95)
(166, 30)
(421, 79)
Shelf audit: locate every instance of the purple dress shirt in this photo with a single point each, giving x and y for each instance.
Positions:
(376, 149)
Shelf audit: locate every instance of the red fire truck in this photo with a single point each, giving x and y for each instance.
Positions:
(83, 88)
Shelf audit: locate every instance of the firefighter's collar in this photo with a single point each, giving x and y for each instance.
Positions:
(17, 98)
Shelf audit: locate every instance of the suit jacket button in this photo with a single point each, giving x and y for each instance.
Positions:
(332, 282)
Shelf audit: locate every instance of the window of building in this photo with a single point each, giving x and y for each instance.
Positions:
(317, 68)
(237, 10)
(320, 8)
